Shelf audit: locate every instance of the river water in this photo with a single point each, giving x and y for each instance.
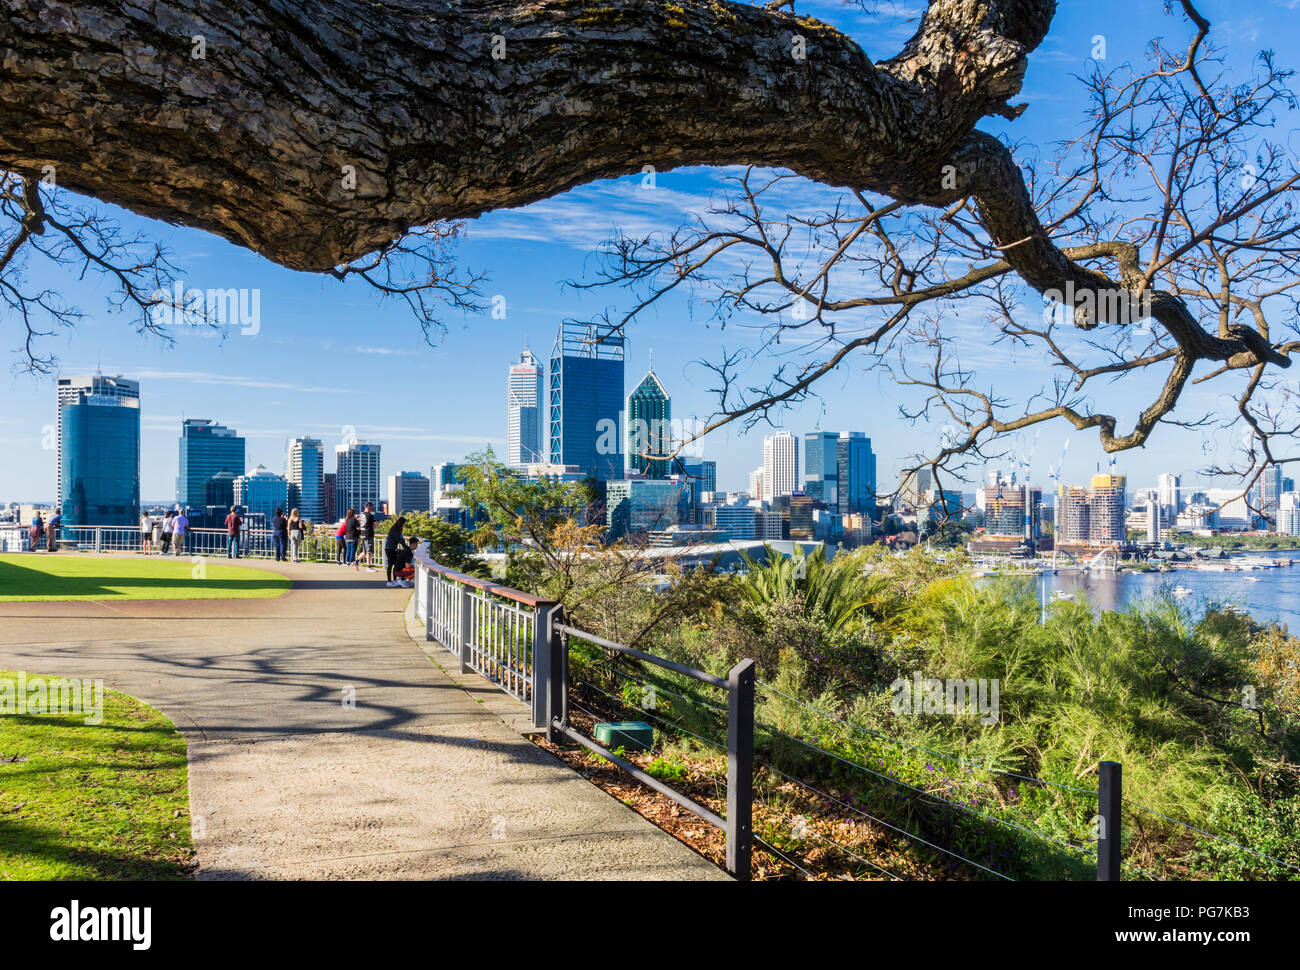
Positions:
(1266, 594)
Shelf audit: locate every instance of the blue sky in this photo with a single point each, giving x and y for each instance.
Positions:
(329, 358)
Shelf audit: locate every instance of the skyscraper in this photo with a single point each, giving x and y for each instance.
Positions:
(701, 476)
(649, 423)
(586, 391)
(1270, 491)
(207, 449)
(780, 465)
(821, 467)
(524, 412)
(357, 476)
(99, 450)
(1107, 512)
(305, 470)
(855, 473)
(71, 390)
(1169, 496)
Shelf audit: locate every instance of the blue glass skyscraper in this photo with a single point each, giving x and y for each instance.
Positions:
(99, 453)
(586, 400)
(856, 474)
(821, 466)
(207, 450)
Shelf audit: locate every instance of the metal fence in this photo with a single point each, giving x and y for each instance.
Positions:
(520, 643)
(255, 543)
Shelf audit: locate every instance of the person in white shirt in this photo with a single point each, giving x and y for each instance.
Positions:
(146, 533)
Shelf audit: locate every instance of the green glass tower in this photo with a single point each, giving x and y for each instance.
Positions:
(649, 418)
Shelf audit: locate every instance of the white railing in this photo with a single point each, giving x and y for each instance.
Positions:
(253, 543)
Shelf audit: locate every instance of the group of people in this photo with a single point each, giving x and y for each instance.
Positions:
(164, 534)
(41, 534)
(286, 534)
(355, 538)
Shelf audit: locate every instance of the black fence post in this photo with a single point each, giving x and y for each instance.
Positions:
(1109, 807)
(740, 769)
(548, 670)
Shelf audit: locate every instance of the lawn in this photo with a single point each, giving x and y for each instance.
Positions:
(102, 801)
(38, 576)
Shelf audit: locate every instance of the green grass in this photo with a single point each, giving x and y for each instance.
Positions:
(37, 576)
(106, 801)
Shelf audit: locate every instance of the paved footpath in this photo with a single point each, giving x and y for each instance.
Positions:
(414, 779)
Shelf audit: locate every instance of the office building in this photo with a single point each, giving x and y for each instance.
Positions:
(328, 493)
(586, 400)
(1169, 496)
(207, 449)
(1270, 491)
(821, 467)
(98, 464)
(305, 471)
(1235, 508)
(261, 492)
(780, 465)
(357, 476)
(736, 519)
(702, 476)
(524, 402)
(1288, 514)
(855, 468)
(635, 506)
(649, 427)
(756, 484)
(912, 486)
(408, 492)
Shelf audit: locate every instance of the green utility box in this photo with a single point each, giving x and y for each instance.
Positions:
(629, 734)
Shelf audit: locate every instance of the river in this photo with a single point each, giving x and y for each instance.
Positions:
(1266, 594)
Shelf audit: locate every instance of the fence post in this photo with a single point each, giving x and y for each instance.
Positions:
(466, 626)
(550, 669)
(428, 603)
(99, 539)
(1109, 806)
(740, 769)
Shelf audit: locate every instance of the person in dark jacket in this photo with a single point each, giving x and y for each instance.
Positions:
(280, 535)
(397, 552)
(351, 528)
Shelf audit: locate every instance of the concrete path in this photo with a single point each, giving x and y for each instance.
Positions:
(324, 744)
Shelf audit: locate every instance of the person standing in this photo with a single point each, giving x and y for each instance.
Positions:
(351, 530)
(36, 533)
(166, 542)
(279, 534)
(366, 531)
(233, 525)
(340, 542)
(146, 533)
(295, 534)
(157, 532)
(52, 532)
(179, 526)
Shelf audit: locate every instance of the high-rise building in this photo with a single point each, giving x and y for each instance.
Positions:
(1288, 514)
(72, 390)
(1153, 519)
(329, 491)
(524, 400)
(305, 470)
(1270, 491)
(357, 480)
(207, 449)
(443, 480)
(1073, 514)
(1012, 511)
(261, 492)
(1234, 507)
(855, 474)
(98, 450)
(586, 400)
(912, 487)
(649, 426)
(821, 468)
(736, 519)
(1108, 504)
(635, 506)
(1169, 496)
(756, 484)
(702, 476)
(780, 465)
(408, 492)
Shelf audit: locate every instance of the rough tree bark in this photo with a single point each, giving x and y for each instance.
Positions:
(253, 139)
